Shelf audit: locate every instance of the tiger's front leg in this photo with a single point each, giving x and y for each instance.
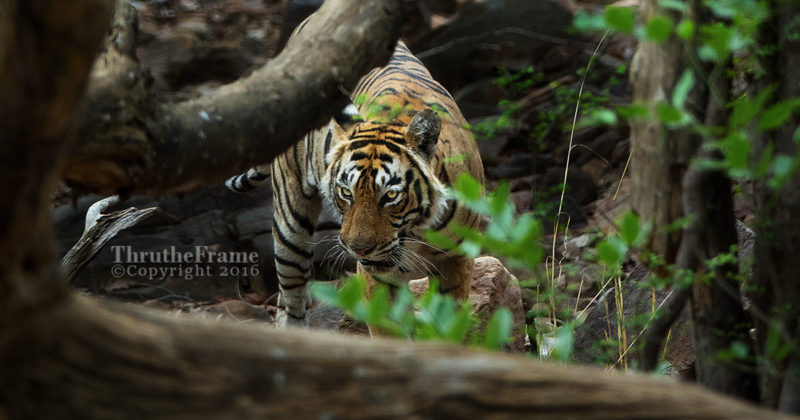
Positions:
(371, 284)
(294, 217)
(456, 276)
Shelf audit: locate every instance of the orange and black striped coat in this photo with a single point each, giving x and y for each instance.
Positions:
(383, 167)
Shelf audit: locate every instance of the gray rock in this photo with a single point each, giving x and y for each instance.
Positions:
(492, 34)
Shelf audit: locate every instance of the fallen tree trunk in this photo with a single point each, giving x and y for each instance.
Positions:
(87, 359)
(129, 141)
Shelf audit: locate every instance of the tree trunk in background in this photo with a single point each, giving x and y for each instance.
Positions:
(717, 307)
(659, 156)
(666, 187)
(776, 287)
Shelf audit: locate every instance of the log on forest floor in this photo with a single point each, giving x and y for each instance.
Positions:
(188, 368)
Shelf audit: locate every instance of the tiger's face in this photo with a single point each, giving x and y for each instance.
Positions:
(380, 181)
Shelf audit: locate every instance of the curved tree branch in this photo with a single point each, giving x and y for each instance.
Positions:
(147, 147)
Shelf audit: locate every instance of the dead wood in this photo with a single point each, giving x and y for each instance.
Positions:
(129, 141)
(100, 228)
(89, 359)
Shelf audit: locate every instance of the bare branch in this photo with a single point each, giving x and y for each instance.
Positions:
(155, 148)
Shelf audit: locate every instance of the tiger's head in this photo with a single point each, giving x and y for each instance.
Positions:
(380, 180)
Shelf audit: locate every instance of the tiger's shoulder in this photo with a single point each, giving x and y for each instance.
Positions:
(394, 93)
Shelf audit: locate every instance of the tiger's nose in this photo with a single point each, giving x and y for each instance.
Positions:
(361, 251)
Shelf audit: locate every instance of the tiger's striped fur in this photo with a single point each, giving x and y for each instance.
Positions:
(385, 175)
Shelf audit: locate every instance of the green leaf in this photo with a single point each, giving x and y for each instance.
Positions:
(736, 148)
(564, 343)
(782, 165)
(351, 293)
(776, 115)
(677, 5)
(730, 9)
(633, 112)
(620, 19)
(498, 330)
(324, 292)
(682, 89)
(629, 226)
(685, 29)
(457, 330)
(611, 251)
(776, 348)
(765, 161)
(658, 28)
(717, 38)
(499, 200)
(378, 307)
(470, 249)
(668, 114)
(589, 22)
(440, 240)
(601, 116)
(468, 186)
(745, 110)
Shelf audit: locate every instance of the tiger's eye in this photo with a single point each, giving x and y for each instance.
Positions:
(391, 194)
(345, 191)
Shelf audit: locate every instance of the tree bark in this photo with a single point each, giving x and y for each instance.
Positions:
(659, 156)
(46, 51)
(131, 142)
(705, 195)
(82, 358)
(775, 291)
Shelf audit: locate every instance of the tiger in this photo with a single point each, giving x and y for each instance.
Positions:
(382, 165)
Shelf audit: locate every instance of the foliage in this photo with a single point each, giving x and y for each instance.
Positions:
(432, 316)
(733, 34)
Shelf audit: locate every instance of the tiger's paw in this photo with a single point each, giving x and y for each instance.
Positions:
(294, 304)
(284, 319)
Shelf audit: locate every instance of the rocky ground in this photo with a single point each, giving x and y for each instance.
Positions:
(514, 66)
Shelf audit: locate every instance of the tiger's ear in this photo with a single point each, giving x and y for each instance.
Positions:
(348, 117)
(423, 131)
(339, 128)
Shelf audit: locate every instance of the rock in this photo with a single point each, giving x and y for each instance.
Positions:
(522, 183)
(580, 185)
(490, 149)
(480, 99)
(601, 146)
(522, 164)
(522, 200)
(491, 34)
(637, 298)
(596, 168)
(325, 317)
(571, 212)
(574, 247)
(492, 288)
(619, 156)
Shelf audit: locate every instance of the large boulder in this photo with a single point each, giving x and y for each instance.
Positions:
(489, 35)
(493, 287)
